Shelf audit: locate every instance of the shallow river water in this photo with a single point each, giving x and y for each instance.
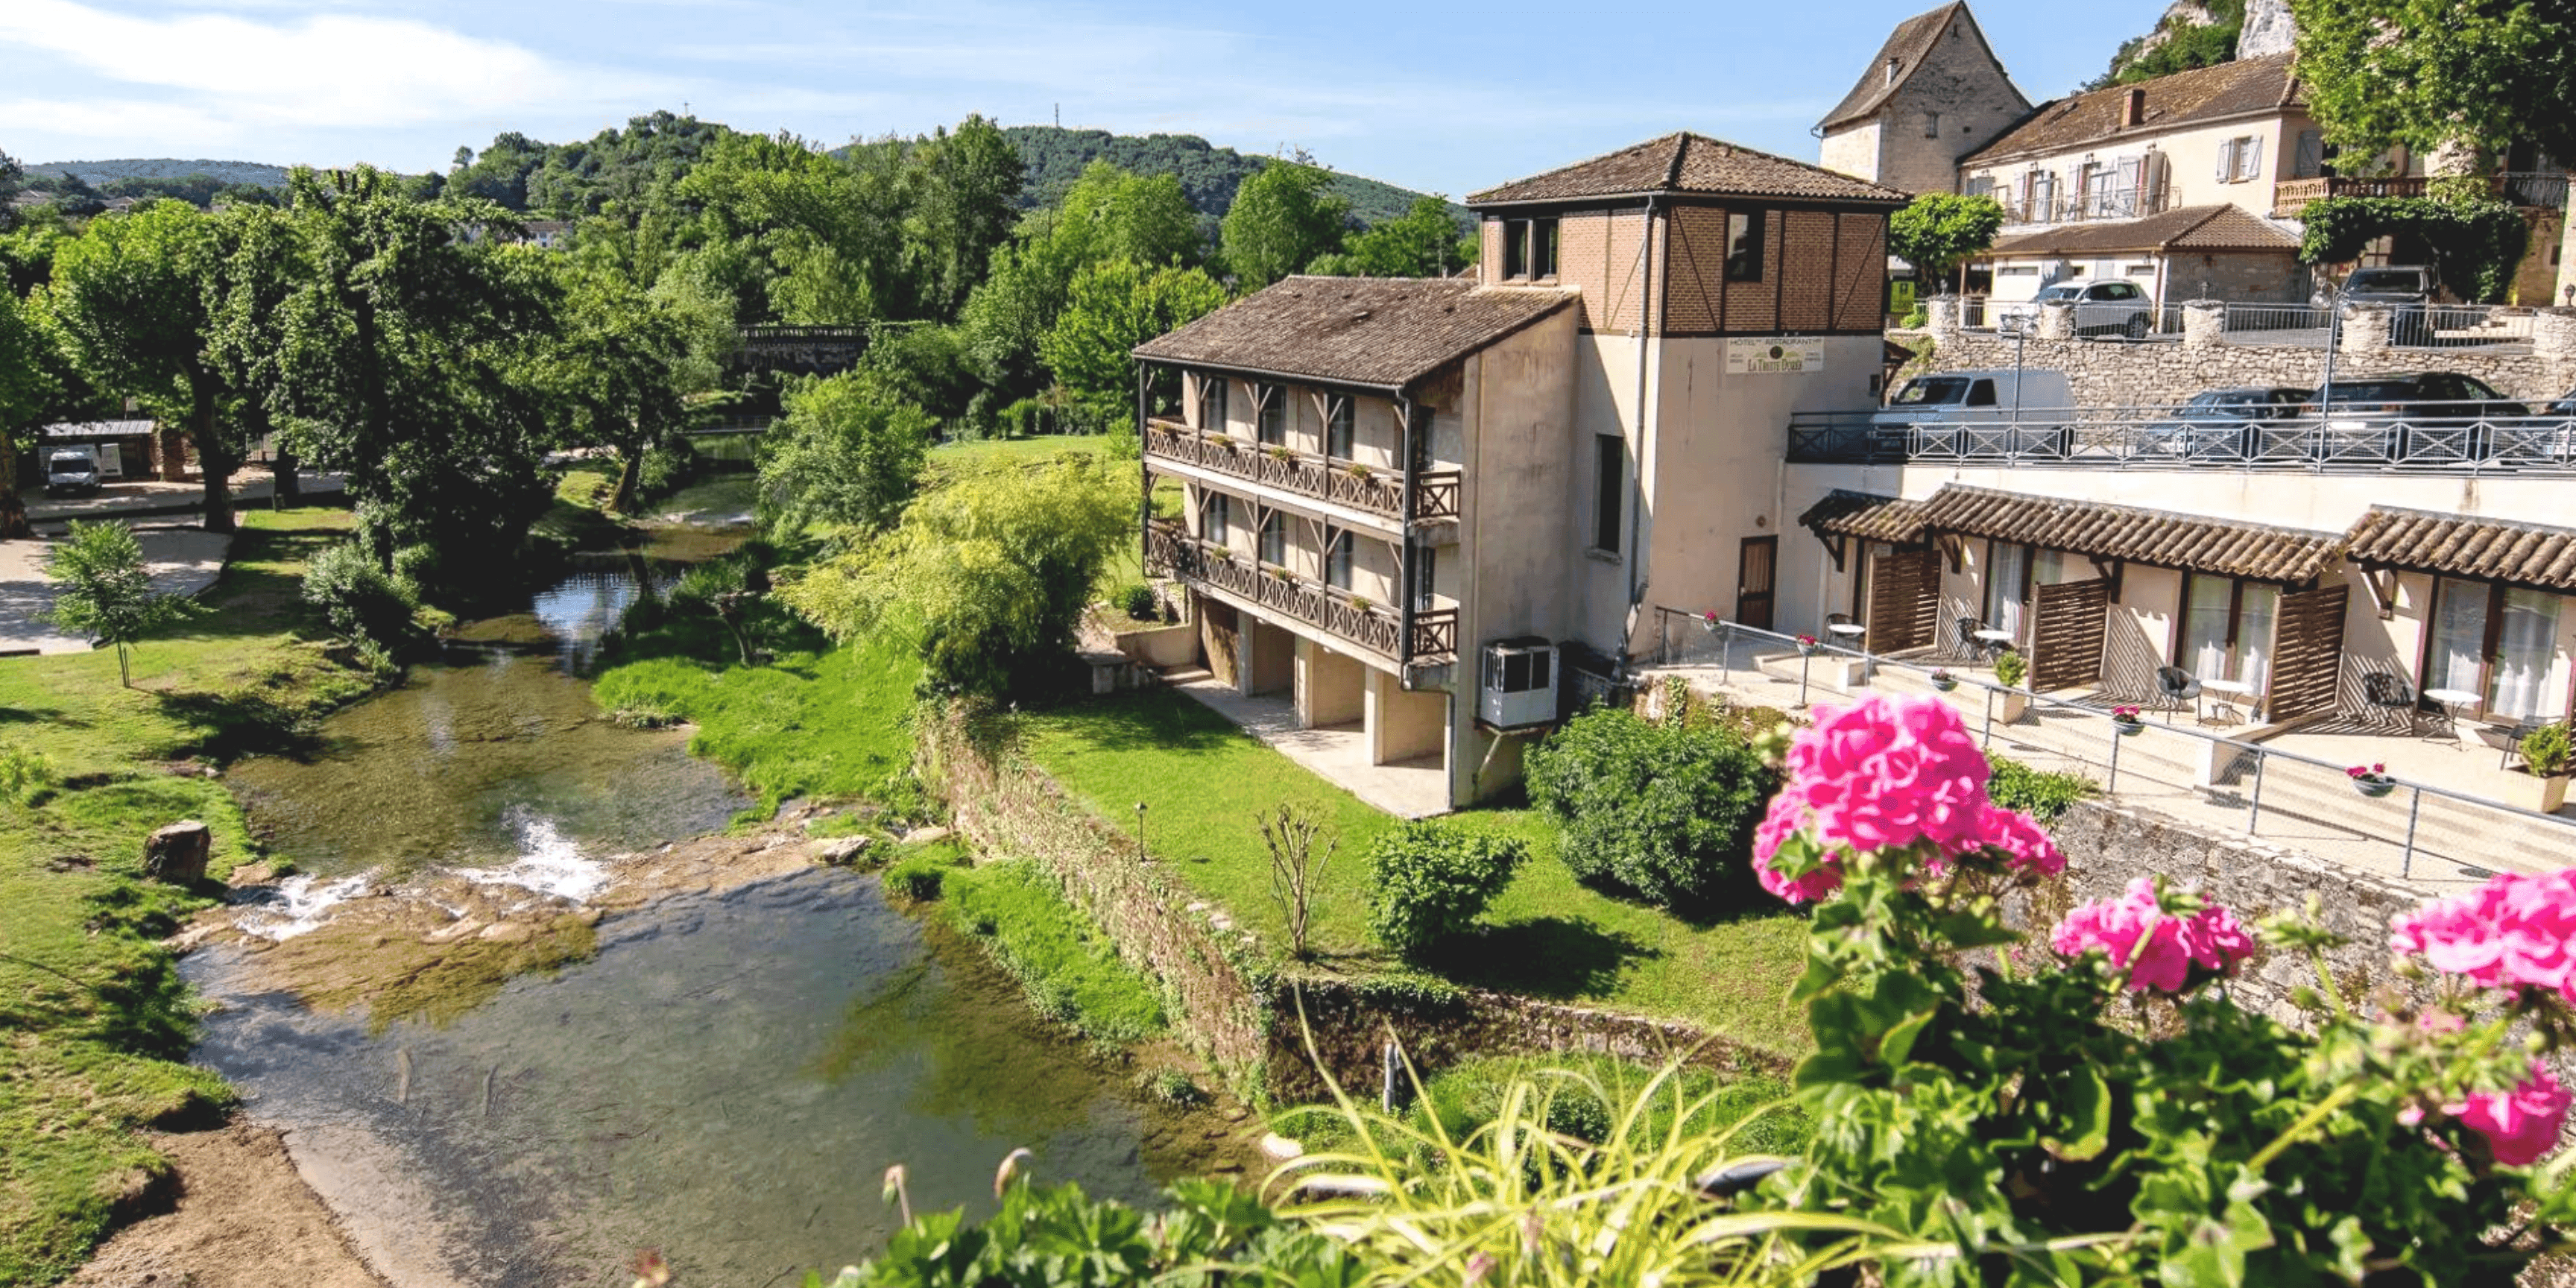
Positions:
(726, 1081)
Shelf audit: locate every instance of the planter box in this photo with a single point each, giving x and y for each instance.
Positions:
(2010, 705)
(1849, 674)
(2544, 795)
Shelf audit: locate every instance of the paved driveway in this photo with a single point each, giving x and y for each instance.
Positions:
(183, 561)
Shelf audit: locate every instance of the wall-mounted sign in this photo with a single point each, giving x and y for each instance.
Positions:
(1900, 297)
(1774, 357)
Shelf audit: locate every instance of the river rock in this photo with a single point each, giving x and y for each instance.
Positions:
(840, 850)
(177, 853)
(508, 932)
(926, 835)
(249, 875)
(1279, 1148)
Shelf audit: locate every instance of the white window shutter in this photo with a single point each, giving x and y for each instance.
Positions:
(2254, 158)
(2227, 161)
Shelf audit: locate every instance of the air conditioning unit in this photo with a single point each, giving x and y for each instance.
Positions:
(1518, 690)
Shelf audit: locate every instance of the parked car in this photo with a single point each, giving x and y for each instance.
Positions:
(70, 473)
(2228, 424)
(1977, 413)
(2419, 418)
(2410, 294)
(2101, 308)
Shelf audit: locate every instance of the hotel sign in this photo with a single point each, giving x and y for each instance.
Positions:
(1774, 357)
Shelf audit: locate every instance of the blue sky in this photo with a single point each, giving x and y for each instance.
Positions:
(1435, 96)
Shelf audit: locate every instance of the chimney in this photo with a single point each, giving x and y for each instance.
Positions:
(2136, 115)
(1891, 71)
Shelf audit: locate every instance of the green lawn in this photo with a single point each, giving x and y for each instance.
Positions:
(93, 1017)
(1203, 781)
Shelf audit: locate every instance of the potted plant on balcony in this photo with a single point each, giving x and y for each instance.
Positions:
(1943, 680)
(1359, 471)
(2125, 720)
(2371, 780)
(1360, 602)
(2011, 668)
(1806, 646)
(2548, 753)
(1278, 453)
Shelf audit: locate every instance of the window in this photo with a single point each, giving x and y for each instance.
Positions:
(1931, 125)
(2043, 196)
(2240, 159)
(1516, 248)
(1274, 540)
(1271, 414)
(1609, 489)
(1214, 525)
(2099, 191)
(1981, 394)
(2496, 642)
(2007, 586)
(2227, 629)
(1337, 559)
(1744, 246)
(1542, 248)
(1981, 186)
(2142, 270)
(1337, 426)
(1212, 405)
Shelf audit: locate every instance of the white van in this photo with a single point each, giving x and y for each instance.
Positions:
(1965, 414)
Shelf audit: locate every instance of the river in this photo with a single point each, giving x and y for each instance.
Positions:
(726, 1081)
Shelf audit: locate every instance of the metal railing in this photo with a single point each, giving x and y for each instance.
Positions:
(2090, 206)
(1346, 483)
(2368, 439)
(2294, 324)
(2531, 190)
(2263, 791)
(1373, 626)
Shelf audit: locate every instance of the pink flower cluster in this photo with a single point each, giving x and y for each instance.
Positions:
(2515, 931)
(2175, 949)
(2521, 1125)
(1886, 773)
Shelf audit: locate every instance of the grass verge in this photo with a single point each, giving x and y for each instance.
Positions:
(1069, 970)
(94, 1020)
(1202, 781)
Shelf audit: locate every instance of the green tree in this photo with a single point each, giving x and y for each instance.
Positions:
(2432, 74)
(27, 391)
(987, 576)
(1283, 218)
(1429, 880)
(132, 301)
(846, 454)
(1113, 307)
(963, 208)
(410, 358)
(106, 594)
(1108, 215)
(1424, 243)
(1938, 231)
(625, 367)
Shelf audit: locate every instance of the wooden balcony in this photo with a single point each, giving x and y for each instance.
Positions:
(1342, 483)
(1375, 627)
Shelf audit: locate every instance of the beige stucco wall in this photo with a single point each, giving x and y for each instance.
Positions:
(2190, 156)
(1402, 725)
(1852, 150)
(1331, 687)
(1270, 656)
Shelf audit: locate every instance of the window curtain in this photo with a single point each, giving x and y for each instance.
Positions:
(2255, 613)
(2204, 626)
(2456, 659)
(2525, 647)
(2004, 582)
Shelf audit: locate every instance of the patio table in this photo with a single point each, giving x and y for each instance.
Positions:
(2455, 702)
(2229, 692)
(1995, 641)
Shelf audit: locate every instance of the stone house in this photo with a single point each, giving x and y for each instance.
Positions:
(1400, 495)
(1935, 93)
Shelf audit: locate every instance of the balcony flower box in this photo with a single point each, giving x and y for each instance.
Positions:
(1943, 680)
(2126, 720)
(2371, 780)
(2539, 793)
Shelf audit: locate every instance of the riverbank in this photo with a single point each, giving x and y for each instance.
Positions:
(98, 1023)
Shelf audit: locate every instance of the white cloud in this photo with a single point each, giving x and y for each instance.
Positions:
(327, 70)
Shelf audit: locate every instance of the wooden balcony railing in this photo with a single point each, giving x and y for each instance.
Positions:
(1358, 487)
(1375, 627)
(2535, 191)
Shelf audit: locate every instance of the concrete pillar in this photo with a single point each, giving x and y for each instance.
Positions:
(1941, 317)
(2204, 323)
(2365, 329)
(1269, 658)
(2056, 320)
(1401, 725)
(1331, 688)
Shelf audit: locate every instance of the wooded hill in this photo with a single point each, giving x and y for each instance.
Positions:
(95, 173)
(1209, 174)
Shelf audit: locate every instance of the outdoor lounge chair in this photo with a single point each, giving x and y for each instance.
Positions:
(2391, 693)
(2176, 689)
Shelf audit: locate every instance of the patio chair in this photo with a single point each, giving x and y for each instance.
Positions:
(2175, 689)
(1969, 646)
(2390, 692)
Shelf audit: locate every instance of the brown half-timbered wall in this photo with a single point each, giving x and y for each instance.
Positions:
(1597, 251)
(2307, 651)
(2066, 638)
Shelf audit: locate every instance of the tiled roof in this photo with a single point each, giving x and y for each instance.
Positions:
(2203, 94)
(1866, 516)
(99, 429)
(2205, 228)
(1375, 331)
(1688, 163)
(1906, 47)
(2524, 553)
(2133, 533)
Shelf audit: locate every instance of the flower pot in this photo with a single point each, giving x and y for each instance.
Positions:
(1945, 684)
(2374, 788)
(2011, 704)
(2127, 727)
(2538, 793)
(1806, 650)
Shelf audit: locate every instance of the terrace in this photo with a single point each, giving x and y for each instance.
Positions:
(2428, 438)
(2444, 823)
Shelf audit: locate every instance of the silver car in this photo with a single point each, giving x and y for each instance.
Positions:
(2101, 308)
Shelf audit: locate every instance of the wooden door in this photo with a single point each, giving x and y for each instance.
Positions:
(1757, 571)
(2307, 652)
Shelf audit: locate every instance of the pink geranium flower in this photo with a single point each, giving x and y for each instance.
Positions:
(2154, 948)
(2516, 931)
(2521, 1125)
(1888, 773)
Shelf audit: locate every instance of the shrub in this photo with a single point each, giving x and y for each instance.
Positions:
(2549, 749)
(2040, 793)
(1666, 810)
(1138, 601)
(2011, 668)
(1429, 881)
(362, 603)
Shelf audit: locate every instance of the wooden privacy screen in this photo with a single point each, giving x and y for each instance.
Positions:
(2068, 621)
(1904, 600)
(2307, 652)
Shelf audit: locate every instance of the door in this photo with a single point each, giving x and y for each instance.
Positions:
(1757, 567)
